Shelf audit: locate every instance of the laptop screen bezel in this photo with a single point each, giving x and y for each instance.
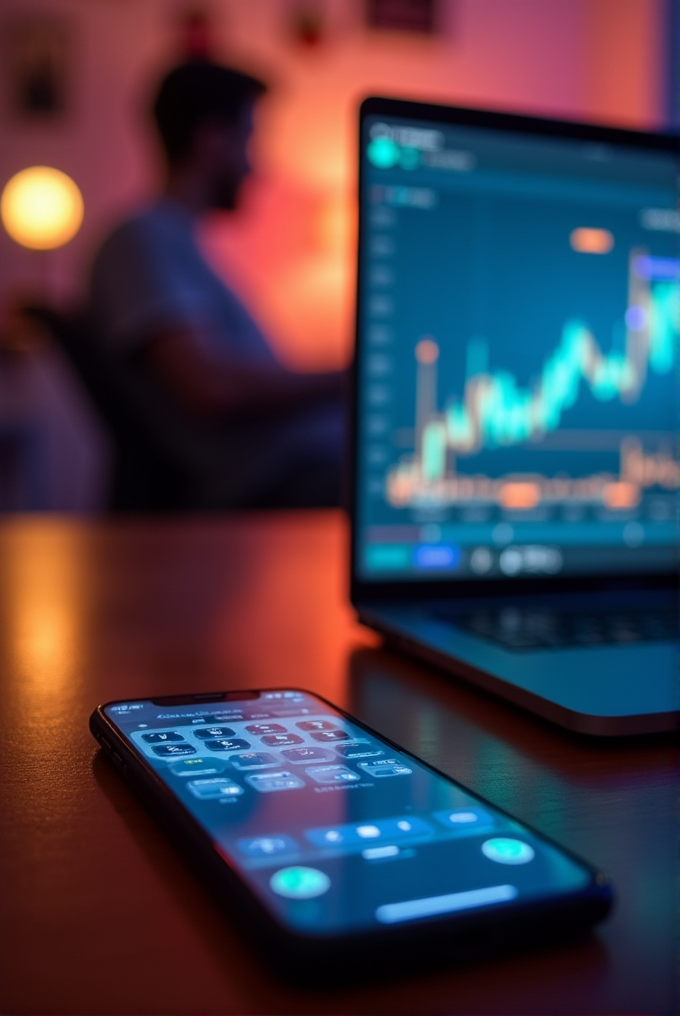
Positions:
(400, 588)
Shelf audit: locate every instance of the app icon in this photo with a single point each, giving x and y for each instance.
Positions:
(266, 846)
(254, 760)
(299, 755)
(282, 740)
(464, 818)
(227, 744)
(333, 774)
(268, 783)
(166, 750)
(333, 836)
(386, 767)
(330, 735)
(214, 732)
(316, 725)
(198, 767)
(299, 883)
(265, 728)
(162, 738)
(367, 832)
(380, 853)
(358, 749)
(217, 787)
(507, 851)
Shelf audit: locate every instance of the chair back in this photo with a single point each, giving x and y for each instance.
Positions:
(144, 476)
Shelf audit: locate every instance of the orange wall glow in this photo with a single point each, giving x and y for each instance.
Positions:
(290, 251)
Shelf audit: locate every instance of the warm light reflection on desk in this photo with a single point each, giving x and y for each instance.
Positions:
(44, 616)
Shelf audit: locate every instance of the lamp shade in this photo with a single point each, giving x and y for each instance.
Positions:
(41, 208)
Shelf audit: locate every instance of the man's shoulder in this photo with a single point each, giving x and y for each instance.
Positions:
(153, 225)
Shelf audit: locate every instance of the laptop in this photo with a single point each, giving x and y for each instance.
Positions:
(514, 475)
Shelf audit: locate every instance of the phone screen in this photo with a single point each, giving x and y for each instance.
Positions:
(332, 828)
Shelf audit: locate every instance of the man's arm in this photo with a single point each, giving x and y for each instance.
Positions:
(211, 389)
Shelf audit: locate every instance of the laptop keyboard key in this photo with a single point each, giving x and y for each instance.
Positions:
(518, 629)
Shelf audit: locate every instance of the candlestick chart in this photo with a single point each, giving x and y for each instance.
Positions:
(494, 410)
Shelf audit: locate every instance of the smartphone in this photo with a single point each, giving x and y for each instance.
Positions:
(333, 841)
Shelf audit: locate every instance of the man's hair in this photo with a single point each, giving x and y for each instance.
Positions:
(196, 91)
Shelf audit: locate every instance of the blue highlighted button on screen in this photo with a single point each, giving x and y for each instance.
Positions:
(431, 557)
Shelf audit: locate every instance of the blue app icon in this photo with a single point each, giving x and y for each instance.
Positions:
(358, 749)
(385, 767)
(162, 737)
(333, 774)
(209, 732)
(227, 744)
(267, 846)
(254, 760)
(168, 750)
(275, 780)
(215, 788)
(464, 819)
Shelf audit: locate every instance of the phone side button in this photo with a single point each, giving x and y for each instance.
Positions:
(104, 743)
(118, 760)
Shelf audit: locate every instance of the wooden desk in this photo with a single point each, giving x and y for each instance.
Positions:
(100, 915)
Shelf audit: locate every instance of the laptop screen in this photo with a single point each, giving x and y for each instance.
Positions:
(518, 316)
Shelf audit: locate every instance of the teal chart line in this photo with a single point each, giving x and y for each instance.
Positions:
(496, 411)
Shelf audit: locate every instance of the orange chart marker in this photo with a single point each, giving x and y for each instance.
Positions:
(520, 495)
(621, 495)
(427, 351)
(587, 240)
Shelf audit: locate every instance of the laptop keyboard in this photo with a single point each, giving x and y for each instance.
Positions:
(535, 628)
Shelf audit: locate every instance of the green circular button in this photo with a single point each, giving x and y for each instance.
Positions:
(383, 152)
(506, 851)
(299, 883)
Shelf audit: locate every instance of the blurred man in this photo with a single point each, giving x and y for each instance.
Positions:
(241, 430)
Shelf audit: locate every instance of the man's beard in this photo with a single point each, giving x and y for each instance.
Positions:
(225, 194)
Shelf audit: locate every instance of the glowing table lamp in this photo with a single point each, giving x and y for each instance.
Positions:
(41, 208)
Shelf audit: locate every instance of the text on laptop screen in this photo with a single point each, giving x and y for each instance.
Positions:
(518, 316)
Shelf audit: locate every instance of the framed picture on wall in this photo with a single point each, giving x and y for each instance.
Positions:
(418, 16)
(37, 54)
(674, 63)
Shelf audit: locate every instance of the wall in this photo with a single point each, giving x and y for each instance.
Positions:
(290, 251)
